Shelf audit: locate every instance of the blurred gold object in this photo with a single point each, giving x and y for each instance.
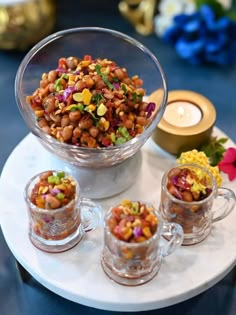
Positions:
(24, 22)
(140, 13)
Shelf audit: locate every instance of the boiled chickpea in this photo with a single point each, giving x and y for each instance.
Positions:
(51, 202)
(142, 121)
(77, 132)
(52, 76)
(128, 124)
(67, 133)
(74, 116)
(65, 121)
(49, 104)
(85, 123)
(72, 63)
(43, 83)
(94, 131)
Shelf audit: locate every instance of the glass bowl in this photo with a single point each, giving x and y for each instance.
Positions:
(99, 43)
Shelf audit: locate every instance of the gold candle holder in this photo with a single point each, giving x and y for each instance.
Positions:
(24, 22)
(187, 122)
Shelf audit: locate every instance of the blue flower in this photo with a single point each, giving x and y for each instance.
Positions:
(200, 37)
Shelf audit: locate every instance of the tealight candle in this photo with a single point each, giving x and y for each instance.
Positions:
(187, 122)
(182, 114)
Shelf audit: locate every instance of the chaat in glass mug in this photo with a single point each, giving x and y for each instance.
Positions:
(132, 251)
(58, 215)
(191, 198)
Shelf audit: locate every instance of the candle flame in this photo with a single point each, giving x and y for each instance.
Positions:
(180, 111)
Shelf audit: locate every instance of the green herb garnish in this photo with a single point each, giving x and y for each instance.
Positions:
(58, 86)
(77, 107)
(214, 150)
(124, 88)
(104, 77)
(97, 98)
(61, 174)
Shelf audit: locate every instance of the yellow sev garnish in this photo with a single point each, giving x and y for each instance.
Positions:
(200, 158)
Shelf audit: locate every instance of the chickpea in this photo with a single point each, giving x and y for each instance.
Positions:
(94, 131)
(51, 202)
(74, 116)
(52, 76)
(42, 122)
(43, 83)
(92, 143)
(43, 91)
(57, 120)
(65, 121)
(72, 63)
(128, 124)
(127, 81)
(49, 104)
(142, 113)
(142, 121)
(187, 196)
(80, 85)
(89, 81)
(51, 87)
(46, 129)
(84, 137)
(67, 133)
(96, 78)
(77, 132)
(29, 99)
(85, 123)
(100, 84)
(119, 74)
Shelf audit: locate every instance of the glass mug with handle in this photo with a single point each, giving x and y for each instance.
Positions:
(58, 215)
(133, 249)
(188, 196)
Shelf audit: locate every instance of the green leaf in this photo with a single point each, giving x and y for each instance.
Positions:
(214, 150)
(124, 88)
(104, 77)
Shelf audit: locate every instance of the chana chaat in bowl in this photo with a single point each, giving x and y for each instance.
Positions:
(90, 102)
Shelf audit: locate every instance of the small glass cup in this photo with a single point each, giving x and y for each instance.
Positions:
(196, 216)
(132, 264)
(60, 228)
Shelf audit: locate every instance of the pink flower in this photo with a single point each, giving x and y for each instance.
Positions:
(228, 164)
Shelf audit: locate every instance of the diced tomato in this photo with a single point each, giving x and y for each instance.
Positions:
(87, 57)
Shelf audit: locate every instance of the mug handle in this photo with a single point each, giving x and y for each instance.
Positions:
(173, 232)
(229, 203)
(90, 214)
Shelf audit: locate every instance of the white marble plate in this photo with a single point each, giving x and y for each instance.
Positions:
(77, 274)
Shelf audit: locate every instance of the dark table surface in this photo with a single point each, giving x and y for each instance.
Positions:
(26, 296)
